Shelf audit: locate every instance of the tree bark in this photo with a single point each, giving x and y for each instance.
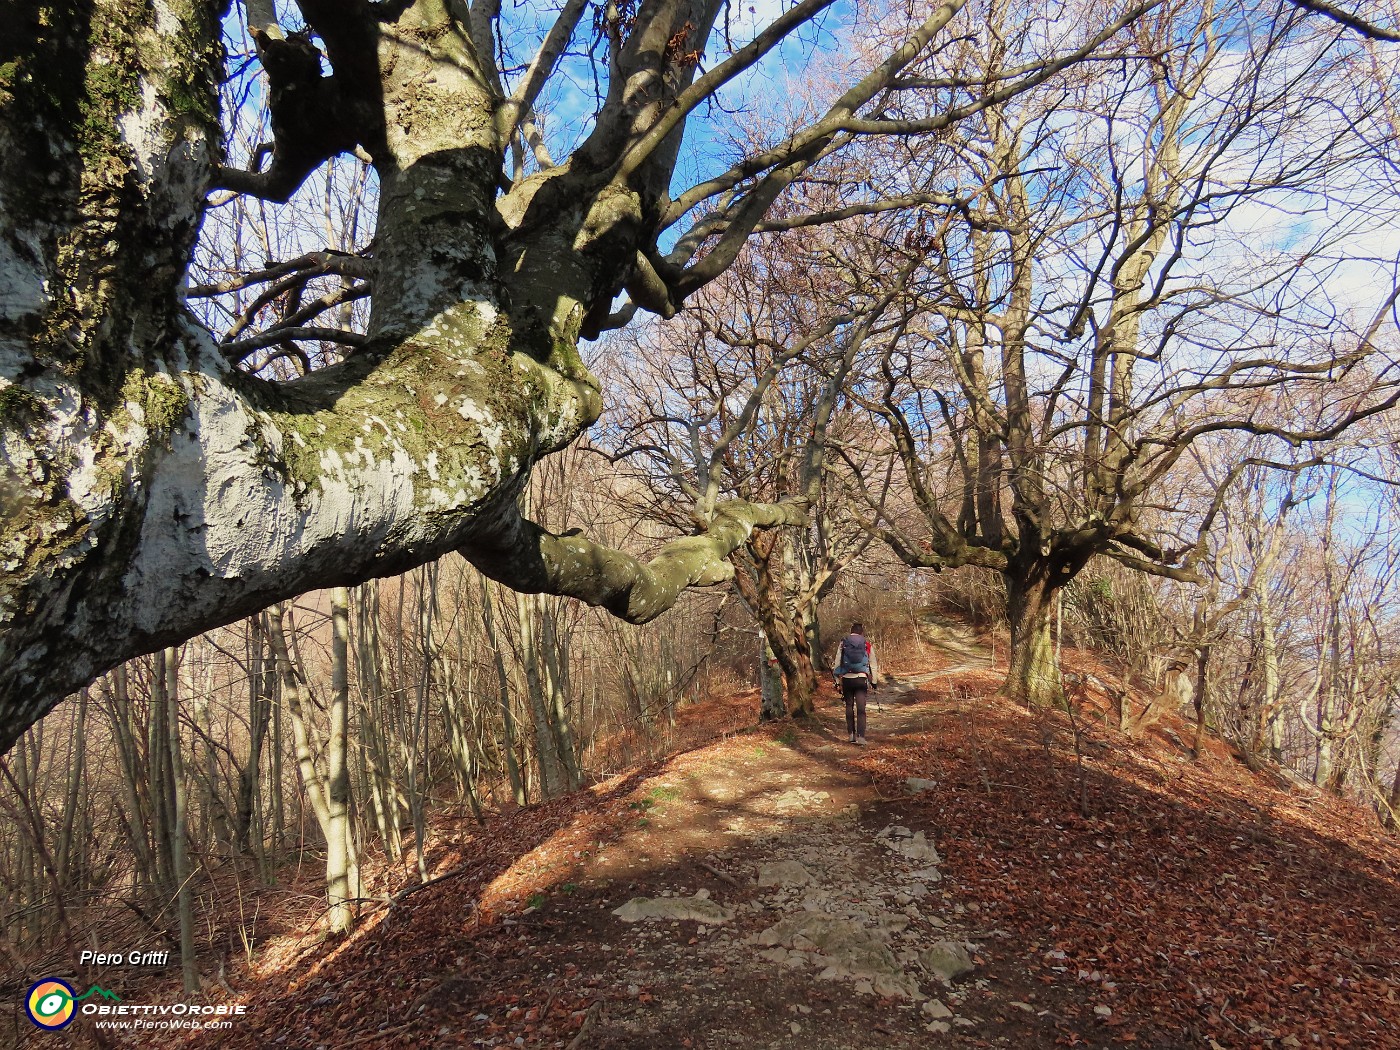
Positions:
(153, 491)
(1032, 676)
(488, 623)
(342, 871)
(555, 650)
(179, 838)
(262, 672)
(1198, 701)
(762, 587)
(64, 850)
(770, 683)
(546, 757)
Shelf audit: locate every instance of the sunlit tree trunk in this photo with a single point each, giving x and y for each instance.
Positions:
(554, 648)
(1269, 728)
(551, 777)
(342, 870)
(413, 724)
(1032, 677)
(332, 820)
(761, 585)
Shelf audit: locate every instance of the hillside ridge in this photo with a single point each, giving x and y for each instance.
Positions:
(1096, 892)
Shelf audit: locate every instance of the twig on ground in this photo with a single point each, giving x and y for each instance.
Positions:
(381, 1034)
(588, 1019)
(722, 875)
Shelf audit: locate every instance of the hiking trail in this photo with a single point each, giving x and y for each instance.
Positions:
(980, 875)
(772, 898)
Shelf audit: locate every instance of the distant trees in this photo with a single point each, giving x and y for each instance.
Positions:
(336, 732)
(1134, 272)
(743, 396)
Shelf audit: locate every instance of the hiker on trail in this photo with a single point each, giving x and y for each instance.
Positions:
(855, 672)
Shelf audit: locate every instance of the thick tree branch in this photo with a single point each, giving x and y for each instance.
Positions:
(1353, 22)
(311, 120)
(528, 557)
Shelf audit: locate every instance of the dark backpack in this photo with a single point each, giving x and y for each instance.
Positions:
(854, 658)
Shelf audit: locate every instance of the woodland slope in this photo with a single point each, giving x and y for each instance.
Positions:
(1107, 893)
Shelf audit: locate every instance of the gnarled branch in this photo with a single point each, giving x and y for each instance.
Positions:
(527, 557)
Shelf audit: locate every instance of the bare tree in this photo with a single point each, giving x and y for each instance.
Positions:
(1074, 349)
(153, 488)
(742, 398)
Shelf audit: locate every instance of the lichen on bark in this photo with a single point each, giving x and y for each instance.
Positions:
(153, 490)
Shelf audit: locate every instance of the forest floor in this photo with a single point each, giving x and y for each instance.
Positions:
(1038, 883)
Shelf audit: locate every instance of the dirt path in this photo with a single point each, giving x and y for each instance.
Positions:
(766, 897)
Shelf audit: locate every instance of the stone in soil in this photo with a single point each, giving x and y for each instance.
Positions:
(784, 873)
(640, 909)
(946, 960)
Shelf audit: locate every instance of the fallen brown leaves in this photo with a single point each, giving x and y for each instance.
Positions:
(1195, 902)
(427, 960)
(1195, 905)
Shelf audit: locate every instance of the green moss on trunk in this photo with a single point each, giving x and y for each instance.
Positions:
(1033, 675)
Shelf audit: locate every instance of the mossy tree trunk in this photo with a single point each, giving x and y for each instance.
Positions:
(1033, 673)
(152, 490)
(771, 707)
(762, 586)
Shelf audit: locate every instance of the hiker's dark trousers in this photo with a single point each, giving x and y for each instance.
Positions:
(854, 692)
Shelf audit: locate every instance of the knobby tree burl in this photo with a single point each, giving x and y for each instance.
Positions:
(151, 489)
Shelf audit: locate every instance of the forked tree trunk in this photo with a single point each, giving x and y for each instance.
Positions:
(795, 662)
(784, 628)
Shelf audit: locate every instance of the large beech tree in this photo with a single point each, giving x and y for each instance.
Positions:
(1146, 263)
(153, 488)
